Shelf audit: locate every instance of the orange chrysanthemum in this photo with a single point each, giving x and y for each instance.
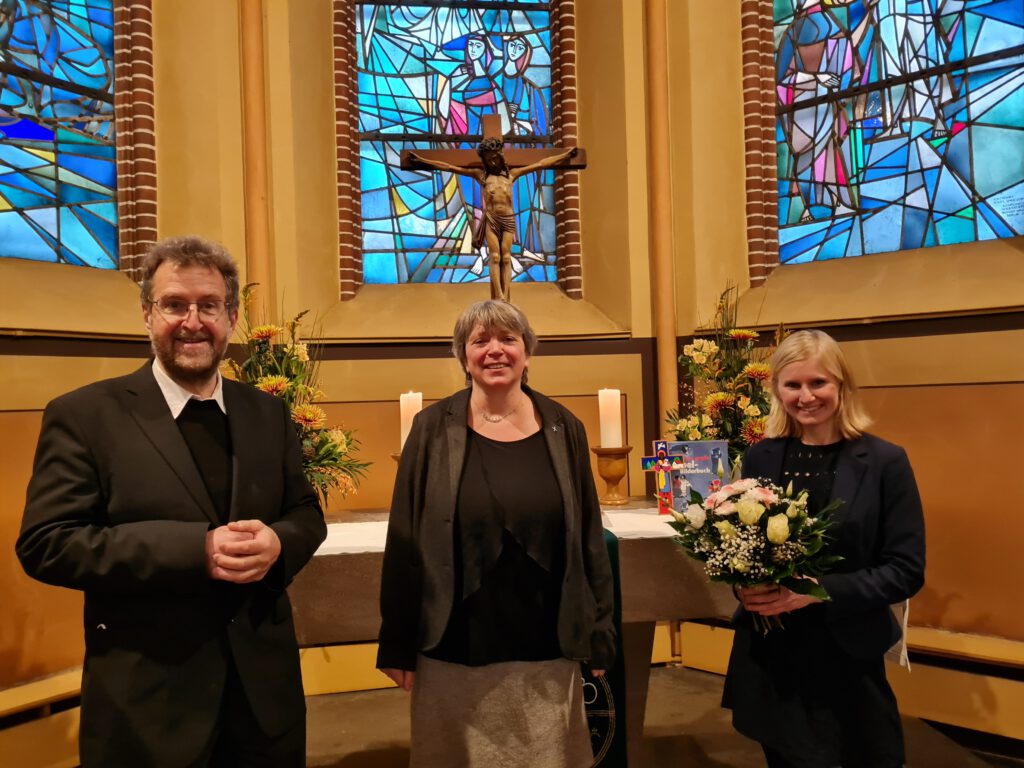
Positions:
(742, 334)
(716, 402)
(273, 385)
(757, 371)
(309, 416)
(752, 430)
(265, 332)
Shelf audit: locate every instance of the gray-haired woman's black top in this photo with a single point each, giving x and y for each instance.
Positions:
(509, 555)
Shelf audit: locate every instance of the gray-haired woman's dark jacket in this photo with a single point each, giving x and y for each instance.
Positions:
(418, 582)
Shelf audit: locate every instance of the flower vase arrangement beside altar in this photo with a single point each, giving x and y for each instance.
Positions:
(750, 533)
(279, 363)
(729, 375)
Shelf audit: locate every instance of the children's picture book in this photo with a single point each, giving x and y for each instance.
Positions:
(680, 465)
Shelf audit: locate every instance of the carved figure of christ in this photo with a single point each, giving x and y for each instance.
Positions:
(495, 170)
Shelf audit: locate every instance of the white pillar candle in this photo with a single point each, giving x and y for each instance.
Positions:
(409, 404)
(610, 407)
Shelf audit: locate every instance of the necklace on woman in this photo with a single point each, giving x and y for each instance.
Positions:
(494, 419)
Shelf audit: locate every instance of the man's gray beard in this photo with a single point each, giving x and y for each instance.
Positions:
(187, 375)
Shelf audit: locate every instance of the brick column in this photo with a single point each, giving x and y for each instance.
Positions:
(565, 127)
(759, 139)
(346, 126)
(134, 128)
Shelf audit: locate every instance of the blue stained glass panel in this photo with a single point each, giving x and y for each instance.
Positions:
(422, 79)
(935, 158)
(57, 164)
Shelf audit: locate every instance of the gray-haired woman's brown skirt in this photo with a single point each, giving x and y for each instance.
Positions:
(504, 715)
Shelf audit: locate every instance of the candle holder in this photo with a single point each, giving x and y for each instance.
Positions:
(611, 466)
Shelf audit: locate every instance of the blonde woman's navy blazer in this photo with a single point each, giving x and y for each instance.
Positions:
(879, 531)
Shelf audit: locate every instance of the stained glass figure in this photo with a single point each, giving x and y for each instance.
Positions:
(57, 165)
(427, 77)
(900, 124)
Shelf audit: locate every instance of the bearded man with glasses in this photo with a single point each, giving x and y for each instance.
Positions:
(177, 502)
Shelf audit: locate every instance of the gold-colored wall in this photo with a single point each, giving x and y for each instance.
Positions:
(956, 454)
(943, 396)
(40, 629)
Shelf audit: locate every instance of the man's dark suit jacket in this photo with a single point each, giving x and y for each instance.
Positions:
(879, 531)
(418, 581)
(117, 508)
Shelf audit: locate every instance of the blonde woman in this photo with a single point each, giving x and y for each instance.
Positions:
(814, 694)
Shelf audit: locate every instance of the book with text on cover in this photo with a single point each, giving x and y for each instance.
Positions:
(702, 465)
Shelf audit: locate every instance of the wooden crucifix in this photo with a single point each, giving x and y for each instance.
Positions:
(495, 170)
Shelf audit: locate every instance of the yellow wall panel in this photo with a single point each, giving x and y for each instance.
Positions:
(984, 276)
(706, 156)
(40, 625)
(987, 357)
(962, 439)
(199, 130)
(50, 742)
(78, 301)
(31, 381)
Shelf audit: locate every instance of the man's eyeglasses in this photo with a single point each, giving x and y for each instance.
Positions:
(178, 309)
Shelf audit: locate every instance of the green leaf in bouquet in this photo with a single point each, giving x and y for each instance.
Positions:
(805, 587)
(826, 562)
(831, 508)
(696, 498)
(813, 546)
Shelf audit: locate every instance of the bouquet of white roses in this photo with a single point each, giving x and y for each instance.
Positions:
(750, 533)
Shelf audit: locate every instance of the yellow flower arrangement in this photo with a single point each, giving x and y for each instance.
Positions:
(286, 369)
(727, 382)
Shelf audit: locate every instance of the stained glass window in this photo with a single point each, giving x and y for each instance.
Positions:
(900, 124)
(428, 73)
(57, 165)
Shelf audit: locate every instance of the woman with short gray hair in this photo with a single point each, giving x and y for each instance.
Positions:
(496, 581)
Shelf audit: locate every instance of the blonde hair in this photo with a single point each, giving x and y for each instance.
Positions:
(815, 345)
(491, 314)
